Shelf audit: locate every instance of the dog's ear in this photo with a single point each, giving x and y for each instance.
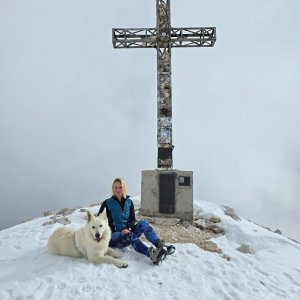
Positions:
(103, 214)
(90, 215)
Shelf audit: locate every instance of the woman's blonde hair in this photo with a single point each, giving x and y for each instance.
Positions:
(123, 183)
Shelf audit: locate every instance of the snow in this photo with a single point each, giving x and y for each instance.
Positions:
(28, 271)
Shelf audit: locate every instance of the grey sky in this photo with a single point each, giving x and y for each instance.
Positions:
(75, 113)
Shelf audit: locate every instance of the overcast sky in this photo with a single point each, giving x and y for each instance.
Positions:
(76, 113)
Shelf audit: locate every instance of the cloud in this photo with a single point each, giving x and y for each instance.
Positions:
(75, 113)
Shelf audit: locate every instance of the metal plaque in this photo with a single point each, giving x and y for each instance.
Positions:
(167, 193)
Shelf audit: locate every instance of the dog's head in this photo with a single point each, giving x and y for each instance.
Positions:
(97, 226)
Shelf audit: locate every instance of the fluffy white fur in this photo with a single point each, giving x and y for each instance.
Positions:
(90, 241)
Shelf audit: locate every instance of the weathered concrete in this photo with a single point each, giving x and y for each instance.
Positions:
(183, 195)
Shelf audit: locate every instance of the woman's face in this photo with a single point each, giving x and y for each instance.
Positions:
(117, 188)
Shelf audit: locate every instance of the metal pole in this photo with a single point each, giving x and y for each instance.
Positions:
(164, 85)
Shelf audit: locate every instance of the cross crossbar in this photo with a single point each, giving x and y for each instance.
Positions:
(179, 37)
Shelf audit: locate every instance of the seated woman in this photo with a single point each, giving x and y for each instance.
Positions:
(121, 219)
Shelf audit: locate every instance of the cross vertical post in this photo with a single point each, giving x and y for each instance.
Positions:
(164, 85)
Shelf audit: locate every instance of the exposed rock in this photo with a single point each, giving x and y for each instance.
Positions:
(230, 212)
(214, 219)
(65, 211)
(200, 223)
(268, 228)
(163, 221)
(246, 249)
(63, 221)
(227, 257)
(216, 229)
(208, 225)
(174, 231)
(278, 231)
(50, 222)
(196, 217)
(197, 214)
(54, 219)
(186, 224)
(210, 246)
(49, 213)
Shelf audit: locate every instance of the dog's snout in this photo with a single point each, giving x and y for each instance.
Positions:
(97, 235)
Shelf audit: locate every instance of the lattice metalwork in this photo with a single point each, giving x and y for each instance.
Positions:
(164, 38)
(179, 37)
(193, 37)
(135, 38)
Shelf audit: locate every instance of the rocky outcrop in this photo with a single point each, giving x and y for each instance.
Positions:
(66, 211)
(57, 219)
(162, 221)
(246, 249)
(230, 212)
(199, 232)
(49, 213)
(278, 231)
(210, 224)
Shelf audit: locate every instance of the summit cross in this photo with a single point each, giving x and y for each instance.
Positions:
(163, 38)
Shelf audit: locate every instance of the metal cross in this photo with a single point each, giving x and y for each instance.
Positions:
(163, 38)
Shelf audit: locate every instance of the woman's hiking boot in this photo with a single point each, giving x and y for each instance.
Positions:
(162, 250)
(169, 248)
(157, 255)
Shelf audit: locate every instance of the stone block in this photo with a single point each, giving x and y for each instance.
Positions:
(183, 194)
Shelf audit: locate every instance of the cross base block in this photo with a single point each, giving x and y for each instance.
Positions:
(167, 193)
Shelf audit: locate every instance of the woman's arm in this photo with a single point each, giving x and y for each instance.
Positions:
(103, 205)
(109, 216)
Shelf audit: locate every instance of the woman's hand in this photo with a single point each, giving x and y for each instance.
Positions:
(125, 231)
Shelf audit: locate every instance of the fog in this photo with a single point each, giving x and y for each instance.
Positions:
(76, 113)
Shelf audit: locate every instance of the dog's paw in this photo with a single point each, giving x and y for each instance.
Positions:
(122, 264)
(125, 265)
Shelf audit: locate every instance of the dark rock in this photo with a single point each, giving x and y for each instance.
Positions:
(49, 213)
(227, 257)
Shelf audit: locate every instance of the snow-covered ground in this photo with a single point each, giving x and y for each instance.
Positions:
(27, 271)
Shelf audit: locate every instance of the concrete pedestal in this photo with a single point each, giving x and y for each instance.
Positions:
(167, 193)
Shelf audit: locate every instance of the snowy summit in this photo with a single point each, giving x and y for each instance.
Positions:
(272, 271)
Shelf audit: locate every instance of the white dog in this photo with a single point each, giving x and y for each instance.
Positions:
(90, 241)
